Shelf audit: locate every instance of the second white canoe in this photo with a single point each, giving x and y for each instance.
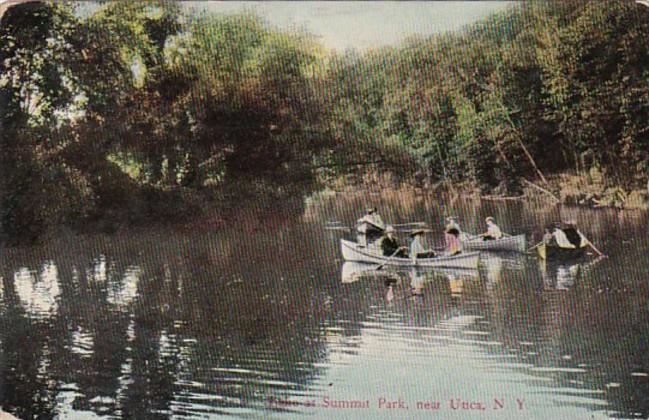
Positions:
(516, 243)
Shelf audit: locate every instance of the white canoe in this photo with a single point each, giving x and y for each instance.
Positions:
(354, 252)
(507, 243)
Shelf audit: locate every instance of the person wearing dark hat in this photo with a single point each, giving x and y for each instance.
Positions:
(452, 227)
(417, 249)
(573, 235)
(390, 245)
(565, 235)
(493, 231)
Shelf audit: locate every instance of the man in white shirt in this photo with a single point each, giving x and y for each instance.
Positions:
(493, 231)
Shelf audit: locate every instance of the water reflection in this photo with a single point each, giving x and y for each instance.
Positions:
(399, 278)
(559, 276)
(191, 325)
(563, 275)
(38, 290)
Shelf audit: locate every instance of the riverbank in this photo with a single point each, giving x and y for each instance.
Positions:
(582, 190)
(585, 190)
(267, 206)
(250, 205)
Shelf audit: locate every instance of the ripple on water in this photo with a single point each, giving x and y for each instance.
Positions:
(510, 335)
(82, 343)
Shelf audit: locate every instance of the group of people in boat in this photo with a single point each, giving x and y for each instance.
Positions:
(371, 227)
(565, 235)
(453, 235)
(390, 245)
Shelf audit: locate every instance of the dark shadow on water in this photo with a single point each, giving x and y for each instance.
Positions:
(164, 322)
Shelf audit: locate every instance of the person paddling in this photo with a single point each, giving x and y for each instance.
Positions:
(574, 236)
(370, 227)
(565, 236)
(390, 245)
(452, 236)
(548, 236)
(373, 218)
(493, 230)
(417, 249)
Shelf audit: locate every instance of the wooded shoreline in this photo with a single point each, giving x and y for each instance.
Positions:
(142, 113)
(567, 189)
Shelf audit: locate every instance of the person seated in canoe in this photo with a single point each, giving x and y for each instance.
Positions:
(493, 231)
(373, 219)
(417, 249)
(559, 238)
(564, 236)
(574, 236)
(548, 237)
(452, 234)
(452, 226)
(390, 245)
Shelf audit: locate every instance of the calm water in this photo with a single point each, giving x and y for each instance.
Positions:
(263, 319)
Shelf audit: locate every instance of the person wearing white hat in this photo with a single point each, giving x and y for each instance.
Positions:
(493, 231)
(371, 224)
(371, 216)
(452, 226)
(417, 249)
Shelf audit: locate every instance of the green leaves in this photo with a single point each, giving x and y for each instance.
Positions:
(159, 100)
(521, 93)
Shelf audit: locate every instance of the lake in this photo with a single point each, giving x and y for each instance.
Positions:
(263, 319)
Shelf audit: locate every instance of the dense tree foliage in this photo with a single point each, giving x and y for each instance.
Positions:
(141, 110)
(542, 88)
(135, 110)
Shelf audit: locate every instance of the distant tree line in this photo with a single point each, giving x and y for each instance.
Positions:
(544, 87)
(140, 110)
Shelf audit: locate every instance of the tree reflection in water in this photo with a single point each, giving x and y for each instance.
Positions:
(161, 323)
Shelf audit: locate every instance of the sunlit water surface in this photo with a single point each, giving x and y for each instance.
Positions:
(264, 319)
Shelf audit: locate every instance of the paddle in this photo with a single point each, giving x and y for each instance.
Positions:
(413, 230)
(337, 228)
(469, 237)
(380, 266)
(591, 264)
(411, 224)
(588, 242)
(535, 246)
